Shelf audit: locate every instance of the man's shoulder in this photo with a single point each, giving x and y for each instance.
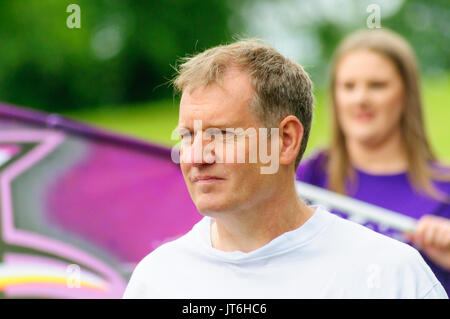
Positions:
(364, 244)
(158, 266)
(359, 237)
(397, 263)
(388, 250)
(172, 250)
(168, 250)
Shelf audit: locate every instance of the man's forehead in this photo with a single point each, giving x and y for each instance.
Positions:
(215, 108)
(216, 121)
(209, 124)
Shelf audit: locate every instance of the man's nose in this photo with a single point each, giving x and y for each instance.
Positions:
(202, 152)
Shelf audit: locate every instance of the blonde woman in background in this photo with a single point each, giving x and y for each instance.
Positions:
(379, 152)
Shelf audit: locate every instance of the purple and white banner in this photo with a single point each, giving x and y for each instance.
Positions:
(79, 207)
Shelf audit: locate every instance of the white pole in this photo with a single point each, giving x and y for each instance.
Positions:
(355, 207)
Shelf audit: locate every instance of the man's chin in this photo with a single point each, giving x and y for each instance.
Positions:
(211, 209)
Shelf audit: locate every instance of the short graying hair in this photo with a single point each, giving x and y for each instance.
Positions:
(282, 87)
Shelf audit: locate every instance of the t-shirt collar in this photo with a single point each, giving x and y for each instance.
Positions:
(279, 245)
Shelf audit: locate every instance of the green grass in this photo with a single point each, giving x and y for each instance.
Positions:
(437, 114)
(155, 121)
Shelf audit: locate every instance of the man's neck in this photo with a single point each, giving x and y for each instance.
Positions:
(251, 229)
(386, 157)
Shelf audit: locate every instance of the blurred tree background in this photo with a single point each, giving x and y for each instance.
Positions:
(123, 51)
(113, 71)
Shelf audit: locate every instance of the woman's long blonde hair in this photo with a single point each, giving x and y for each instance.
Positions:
(418, 150)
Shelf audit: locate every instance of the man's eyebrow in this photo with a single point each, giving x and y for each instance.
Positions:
(204, 127)
(236, 124)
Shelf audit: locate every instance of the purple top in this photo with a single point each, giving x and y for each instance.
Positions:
(393, 192)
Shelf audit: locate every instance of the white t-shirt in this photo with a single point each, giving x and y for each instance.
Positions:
(326, 257)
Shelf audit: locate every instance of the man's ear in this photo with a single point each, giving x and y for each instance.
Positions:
(291, 136)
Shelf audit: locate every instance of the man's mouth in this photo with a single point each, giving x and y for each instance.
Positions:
(206, 179)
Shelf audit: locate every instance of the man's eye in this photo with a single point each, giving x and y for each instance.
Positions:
(219, 132)
(228, 134)
(185, 135)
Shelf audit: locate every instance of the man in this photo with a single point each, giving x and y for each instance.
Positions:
(258, 239)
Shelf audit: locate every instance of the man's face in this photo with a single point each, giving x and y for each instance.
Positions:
(216, 185)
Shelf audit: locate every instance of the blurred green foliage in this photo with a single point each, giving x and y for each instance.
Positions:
(124, 51)
(309, 30)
